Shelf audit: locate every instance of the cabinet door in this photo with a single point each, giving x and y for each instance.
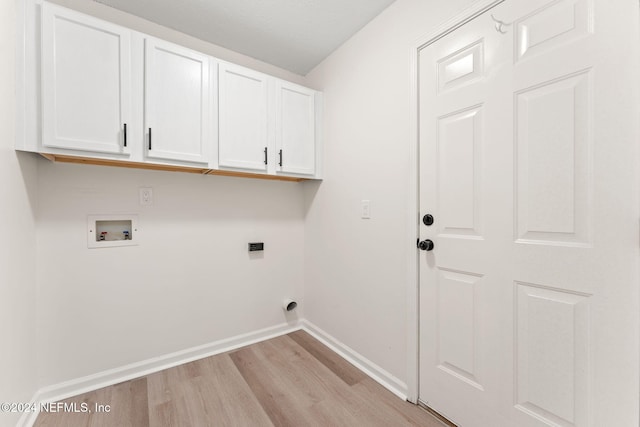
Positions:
(295, 129)
(243, 125)
(86, 82)
(177, 103)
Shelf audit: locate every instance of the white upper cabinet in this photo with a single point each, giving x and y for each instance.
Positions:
(86, 82)
(295, 129)
(243, 122)
(93, 90)
(177, 103)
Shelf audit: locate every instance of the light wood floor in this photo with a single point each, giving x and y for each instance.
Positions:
(292, 380)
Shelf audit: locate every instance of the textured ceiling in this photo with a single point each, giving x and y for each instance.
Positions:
(292, 34)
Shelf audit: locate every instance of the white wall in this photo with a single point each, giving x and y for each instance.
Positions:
(356, 269)
(189, 283)
(17, 243)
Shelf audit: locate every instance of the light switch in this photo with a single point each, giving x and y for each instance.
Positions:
(366, 209)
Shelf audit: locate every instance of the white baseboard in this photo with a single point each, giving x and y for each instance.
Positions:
(29, 418)
(109, 377)
(383, 377)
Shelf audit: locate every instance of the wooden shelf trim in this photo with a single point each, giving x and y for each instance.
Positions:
(170, 168)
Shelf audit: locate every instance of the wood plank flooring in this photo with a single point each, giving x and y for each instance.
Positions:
(292, 380)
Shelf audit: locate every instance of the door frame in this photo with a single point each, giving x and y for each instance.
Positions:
(413, 230)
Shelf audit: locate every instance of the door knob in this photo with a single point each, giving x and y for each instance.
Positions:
(426, 245)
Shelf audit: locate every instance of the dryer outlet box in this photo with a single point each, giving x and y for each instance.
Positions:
(256, 247)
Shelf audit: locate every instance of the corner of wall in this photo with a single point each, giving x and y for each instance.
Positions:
(18, 175)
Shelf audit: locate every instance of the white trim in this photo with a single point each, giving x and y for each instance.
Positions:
(384, 378)
(413, 229)
(28, 419)
(113, 376)
(468, 14)
(413, 232)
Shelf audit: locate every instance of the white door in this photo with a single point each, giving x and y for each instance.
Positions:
(529, 303)
(243, 120)
(177, 103)
(86, 82)
(295, 129)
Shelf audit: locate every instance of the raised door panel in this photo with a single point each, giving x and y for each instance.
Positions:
(177, 103)
(86, 82)
(553, 169)
(458, 325)
(552, 354)
(243, 120)
(295, 129)
(554, 24)
(459, 149)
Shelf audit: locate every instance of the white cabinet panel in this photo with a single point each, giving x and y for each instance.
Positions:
(295, 128)
(92, 90)
(86, 82)
(177, 102)
(243, 121)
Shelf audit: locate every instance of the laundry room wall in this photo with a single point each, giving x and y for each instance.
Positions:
(191, 280)
(357, 269)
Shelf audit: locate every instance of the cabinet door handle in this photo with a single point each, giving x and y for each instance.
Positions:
(149, 138)
(280, 154)
(265, 156)
(125, 135)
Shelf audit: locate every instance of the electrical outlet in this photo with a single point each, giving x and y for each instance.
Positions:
(146, 196)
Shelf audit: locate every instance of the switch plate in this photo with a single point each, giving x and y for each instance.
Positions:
(146, 196)
(366, 209)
